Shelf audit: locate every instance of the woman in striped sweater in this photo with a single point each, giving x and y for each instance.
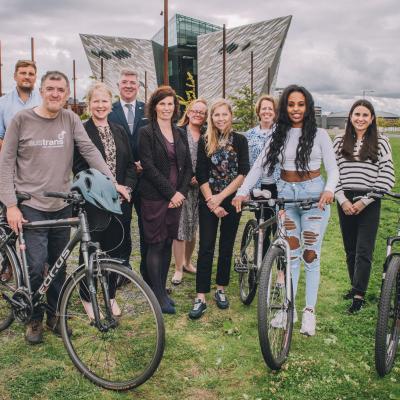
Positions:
(365, 163)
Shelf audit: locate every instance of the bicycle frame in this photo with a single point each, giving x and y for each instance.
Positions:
(82, 235)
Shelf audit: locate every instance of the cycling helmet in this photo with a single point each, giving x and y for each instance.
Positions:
(98, 190)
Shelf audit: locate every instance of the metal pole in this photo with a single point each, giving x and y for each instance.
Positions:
(32, 49)
(223, 60)
(269, 80)
(252, 86)
(166, 75)
(145, 86)
(1, 91)
(101, 69)
(74, 79)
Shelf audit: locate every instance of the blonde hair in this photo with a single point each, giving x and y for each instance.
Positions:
(269, 98)
(100, 86)
(185, 118)
(212, 133)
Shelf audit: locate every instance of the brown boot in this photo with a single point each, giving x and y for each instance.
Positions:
(34, 332)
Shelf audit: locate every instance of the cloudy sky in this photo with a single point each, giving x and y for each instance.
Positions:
(336, 48)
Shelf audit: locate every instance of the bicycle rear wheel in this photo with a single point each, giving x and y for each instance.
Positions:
(127, 354)
(8, 286)
(275, 312)
(248, 260)
(388, 324)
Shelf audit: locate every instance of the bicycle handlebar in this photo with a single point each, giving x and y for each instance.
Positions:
(281, 201)
(74, 197)
(378, 194)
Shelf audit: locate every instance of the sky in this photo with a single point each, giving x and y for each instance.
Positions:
(335, 48)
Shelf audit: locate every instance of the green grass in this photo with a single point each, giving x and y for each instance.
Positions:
(218, 357)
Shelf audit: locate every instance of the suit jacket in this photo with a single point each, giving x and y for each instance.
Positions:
(125, 167)
(117, 116)
(154, 182)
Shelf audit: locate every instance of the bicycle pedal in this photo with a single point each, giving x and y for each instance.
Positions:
(240, 268)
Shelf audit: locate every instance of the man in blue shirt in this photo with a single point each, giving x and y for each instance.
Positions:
(22, 97)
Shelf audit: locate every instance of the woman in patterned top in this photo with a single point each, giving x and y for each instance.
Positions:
(365, 163)
(222, 163)
(113, 144)
(193, 121)
(266, 110)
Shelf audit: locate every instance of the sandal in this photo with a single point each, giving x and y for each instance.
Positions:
(176, 281)
(190, 269)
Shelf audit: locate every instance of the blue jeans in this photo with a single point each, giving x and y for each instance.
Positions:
(305, 232)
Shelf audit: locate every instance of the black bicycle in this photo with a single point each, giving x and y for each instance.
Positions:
(388, 324)
(272, 274)
(117, 352)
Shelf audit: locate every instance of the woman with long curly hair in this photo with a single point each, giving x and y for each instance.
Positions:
(299, 147)
(222, 163)
(365, 163)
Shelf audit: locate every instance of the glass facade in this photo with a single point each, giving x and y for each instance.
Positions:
(182, 49)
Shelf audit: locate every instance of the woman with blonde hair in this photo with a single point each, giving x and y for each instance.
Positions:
(113, 144)
(222, 163)
(192, 121)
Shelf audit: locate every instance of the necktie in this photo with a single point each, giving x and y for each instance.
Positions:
(131, 117)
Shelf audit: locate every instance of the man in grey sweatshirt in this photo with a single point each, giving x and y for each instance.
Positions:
(37, 156)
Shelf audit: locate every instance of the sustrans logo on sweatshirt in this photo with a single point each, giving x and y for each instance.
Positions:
(49, 143)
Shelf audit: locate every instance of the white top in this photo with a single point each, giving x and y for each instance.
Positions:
(322, 151)
(365, 175)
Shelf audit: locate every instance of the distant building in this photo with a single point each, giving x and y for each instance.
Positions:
(194, 46)
(339, 119)
(80, 108)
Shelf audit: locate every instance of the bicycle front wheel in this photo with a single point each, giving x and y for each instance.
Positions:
(248, 260)
(128, 353)
(8, 286)
(388, 324)
(275, 311)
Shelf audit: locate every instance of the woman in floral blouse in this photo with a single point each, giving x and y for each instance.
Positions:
(222, 163)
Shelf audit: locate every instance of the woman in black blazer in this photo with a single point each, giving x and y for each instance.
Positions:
(167, 171)
(113, 144)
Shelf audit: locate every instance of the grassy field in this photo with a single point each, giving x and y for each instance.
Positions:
(218, 357)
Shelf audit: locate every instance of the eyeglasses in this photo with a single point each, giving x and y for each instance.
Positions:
(201, 113)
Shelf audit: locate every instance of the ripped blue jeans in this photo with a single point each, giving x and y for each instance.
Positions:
(305, 232)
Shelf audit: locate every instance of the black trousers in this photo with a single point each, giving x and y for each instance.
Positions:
(359, 235)
(268, 213)
(45, 246)
(208, 228)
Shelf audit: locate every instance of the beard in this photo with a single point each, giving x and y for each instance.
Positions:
(25, 89)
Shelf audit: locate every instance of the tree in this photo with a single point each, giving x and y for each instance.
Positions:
(244, 108)
(190, 92)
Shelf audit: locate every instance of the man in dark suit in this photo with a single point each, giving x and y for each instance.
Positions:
(129, 113)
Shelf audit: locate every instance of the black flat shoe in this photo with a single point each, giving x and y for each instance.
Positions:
(221, 299)
(348, 295)
(198, 309)
(356, 305)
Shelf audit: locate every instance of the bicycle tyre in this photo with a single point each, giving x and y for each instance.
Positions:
(388, 323)
(248, 256)
(274, 342)
(7, 287)
(133, 349)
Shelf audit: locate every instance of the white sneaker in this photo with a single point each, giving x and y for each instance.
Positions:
(279, 320)
(308, 323)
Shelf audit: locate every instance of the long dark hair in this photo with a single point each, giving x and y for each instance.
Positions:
(370, 146)
(283, 125)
